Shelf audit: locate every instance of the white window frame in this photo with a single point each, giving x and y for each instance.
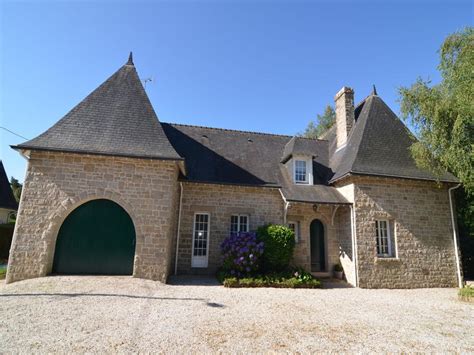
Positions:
(296, 229)
(239, 226)
(309, 170)
(378, 238)
(201, 261)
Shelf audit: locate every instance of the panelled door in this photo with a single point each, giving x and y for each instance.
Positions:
(98, 237)
(318, 248)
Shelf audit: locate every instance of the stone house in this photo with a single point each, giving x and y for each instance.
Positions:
(8, 204)
(110, 189)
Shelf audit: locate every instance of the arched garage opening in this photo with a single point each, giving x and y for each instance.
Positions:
(98, 237)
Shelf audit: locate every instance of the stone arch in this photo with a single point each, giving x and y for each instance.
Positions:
(68, 205)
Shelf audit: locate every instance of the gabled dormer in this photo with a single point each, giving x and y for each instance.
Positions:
(298, 157)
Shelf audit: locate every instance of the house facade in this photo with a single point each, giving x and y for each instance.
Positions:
(110, 189)
(8, 204)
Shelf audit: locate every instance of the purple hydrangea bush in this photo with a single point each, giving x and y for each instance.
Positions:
(241, 254)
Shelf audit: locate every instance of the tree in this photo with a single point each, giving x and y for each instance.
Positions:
(443, 114)
(443, 118)
(323, 122)
(16, 188)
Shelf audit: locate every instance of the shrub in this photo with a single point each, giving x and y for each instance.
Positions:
(338, 268)
(466, 293)
(279, 244)
(241, 253)
(6, 236)
(278, 280)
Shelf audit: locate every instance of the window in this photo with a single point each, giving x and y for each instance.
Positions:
(383, 238)
(200, 240)
(239, 223)
(300, 172)
(295, 227)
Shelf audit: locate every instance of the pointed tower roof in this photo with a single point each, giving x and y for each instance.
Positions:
(7, 200)
(379, 144)
(116, 119)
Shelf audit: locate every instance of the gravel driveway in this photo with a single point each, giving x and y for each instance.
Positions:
(97, 314)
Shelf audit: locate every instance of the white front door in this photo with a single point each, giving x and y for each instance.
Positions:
(200, 240)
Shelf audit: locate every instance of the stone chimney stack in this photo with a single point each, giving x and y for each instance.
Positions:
(344, 100)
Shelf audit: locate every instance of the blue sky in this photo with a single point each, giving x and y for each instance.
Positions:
(266, 66)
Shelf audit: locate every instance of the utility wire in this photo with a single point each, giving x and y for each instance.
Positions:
(16, 134)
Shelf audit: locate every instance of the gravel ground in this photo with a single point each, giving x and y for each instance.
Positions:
(122, 314)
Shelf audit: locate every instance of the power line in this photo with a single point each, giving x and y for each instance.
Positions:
(16, 134)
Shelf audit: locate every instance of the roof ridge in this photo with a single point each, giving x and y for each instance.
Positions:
(241, 131)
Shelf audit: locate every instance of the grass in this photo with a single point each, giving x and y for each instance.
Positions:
(466, 294)
(3, 271)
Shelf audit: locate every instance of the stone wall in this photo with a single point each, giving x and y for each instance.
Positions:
(304, 213)
(419, 215)
(263, 205)
(344, 236)
(57, 183)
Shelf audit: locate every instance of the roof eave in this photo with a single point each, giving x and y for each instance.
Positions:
(21, 147)
(320, 202)
(359, 173)
(272, 186)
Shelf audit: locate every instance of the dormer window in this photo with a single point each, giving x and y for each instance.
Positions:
(301, 172)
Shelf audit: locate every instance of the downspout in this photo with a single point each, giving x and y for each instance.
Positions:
(178, 228)
(354, 245)
(455, 237)
(285, 206)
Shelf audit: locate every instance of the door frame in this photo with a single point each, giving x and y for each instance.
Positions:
(201, 261)
(325, 233)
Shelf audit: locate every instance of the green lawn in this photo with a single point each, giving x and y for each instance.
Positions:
(3, 271)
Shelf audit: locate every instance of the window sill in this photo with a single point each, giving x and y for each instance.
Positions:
(386, 259)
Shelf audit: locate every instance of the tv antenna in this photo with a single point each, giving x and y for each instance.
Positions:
(148, 80)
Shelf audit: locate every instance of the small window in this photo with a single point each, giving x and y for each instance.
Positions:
(239, 223)
(295, 227)
(383, 238)
(301, 172)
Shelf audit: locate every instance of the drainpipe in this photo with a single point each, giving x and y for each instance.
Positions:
(178, 229)
(455, 237)
(354, 245)
(285, 206)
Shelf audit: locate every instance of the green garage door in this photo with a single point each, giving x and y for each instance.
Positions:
(98, 237)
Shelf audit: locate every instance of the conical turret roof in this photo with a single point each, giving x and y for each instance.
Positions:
(116, 119)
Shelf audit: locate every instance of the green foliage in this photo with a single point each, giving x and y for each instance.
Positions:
(16, 188)
(289, 279)
(279, 243)
(466, 293)
(443, 114)
(322, 124)
(6, 236)
(338, 268)
(465, 218)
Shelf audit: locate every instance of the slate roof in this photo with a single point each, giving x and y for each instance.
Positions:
(248, 158)
(378, 144)
(7, 200)
(304, 146)
(115, 119)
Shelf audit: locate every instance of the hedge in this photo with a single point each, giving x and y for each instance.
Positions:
(6, 235)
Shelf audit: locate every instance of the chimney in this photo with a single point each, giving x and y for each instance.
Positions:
(344, 100)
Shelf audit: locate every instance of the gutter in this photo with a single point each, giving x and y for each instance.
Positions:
(285, 208)
(455, 236)
(354, 245)
(178, 228)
